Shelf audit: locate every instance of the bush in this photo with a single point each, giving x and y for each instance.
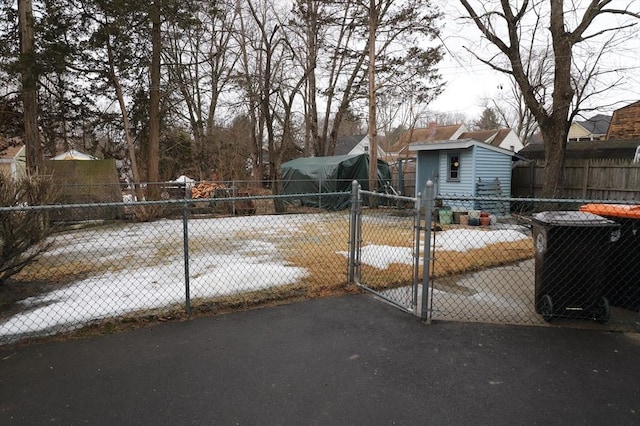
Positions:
(23, 233)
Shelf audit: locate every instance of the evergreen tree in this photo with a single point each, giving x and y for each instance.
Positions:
(488, 120)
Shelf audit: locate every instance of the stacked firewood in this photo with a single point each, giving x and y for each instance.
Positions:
(206, 189)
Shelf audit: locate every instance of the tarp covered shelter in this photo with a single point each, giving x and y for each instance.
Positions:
(318, 175)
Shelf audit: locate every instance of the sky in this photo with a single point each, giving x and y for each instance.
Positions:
(469, 82)
(117, 292)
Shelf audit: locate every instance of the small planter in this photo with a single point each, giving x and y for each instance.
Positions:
(445, 216)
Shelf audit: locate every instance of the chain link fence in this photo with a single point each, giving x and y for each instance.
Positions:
(517, 261)
(388, 255)
(544, 261)
(189, 258)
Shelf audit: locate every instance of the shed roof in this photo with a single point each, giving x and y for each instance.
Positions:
(458, 144)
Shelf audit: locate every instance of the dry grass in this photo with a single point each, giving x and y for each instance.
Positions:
(452, 262)
(318, 252)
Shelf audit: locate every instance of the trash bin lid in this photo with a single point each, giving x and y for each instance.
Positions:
(615, 210)
(571, 218)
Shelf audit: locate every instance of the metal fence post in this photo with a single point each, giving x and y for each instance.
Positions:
(416, 252)
(353, 233)
(185, 243)
(429, 201)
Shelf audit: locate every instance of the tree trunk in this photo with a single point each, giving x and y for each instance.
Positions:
(29, 88)
(153, 176)
(373, 131)
(555, 147)
(125, 124)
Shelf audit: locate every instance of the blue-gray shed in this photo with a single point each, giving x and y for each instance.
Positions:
(465, 168)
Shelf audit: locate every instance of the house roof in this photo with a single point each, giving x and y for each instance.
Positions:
(345, 144)
(494, 137)
(596, 125)
(623, 148)
(625, 123)
(457, 144)
(10, 152)
(433, 133)
(481, 135)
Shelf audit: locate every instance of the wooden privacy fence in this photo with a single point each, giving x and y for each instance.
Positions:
(586, 179)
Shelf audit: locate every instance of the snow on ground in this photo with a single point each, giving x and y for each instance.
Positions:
(381, 256)
(468, 239)
(252, 265)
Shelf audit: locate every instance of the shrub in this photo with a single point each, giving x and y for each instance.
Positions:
(23, 233)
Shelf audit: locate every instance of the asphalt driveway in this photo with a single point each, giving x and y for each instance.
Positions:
(337, 361)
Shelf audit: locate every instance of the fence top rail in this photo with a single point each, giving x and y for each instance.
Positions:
(383, 195)
(175, 202)
(534, 200)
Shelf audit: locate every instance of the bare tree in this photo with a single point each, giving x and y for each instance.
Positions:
(29, 86)
(280, 76)
(115, 80)
(524, 28)
(200, 58)
(510, 107)
(339, 33)
(153, 150)
(110, 57)
(373, 122)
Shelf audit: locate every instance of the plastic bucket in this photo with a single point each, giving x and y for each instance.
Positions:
(474, 214)
(445, 216)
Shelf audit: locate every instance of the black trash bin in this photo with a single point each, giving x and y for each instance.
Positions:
(622, 286)
(570, 253)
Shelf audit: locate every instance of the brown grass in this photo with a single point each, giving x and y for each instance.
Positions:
(453, 263)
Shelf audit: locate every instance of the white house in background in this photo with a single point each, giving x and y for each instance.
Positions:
(400, 150)
(502, 138)
(74, 155)
(13, 160)
(355, 145)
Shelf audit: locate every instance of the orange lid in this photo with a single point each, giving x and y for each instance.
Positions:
(616, 210)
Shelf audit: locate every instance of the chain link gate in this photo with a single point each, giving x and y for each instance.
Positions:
(386, 248)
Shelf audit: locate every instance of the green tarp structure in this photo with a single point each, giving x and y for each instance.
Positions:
(318, 175)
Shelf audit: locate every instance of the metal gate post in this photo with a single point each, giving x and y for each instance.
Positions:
(185, 242)
(354, 232)
(416, 253)
(429, 202)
